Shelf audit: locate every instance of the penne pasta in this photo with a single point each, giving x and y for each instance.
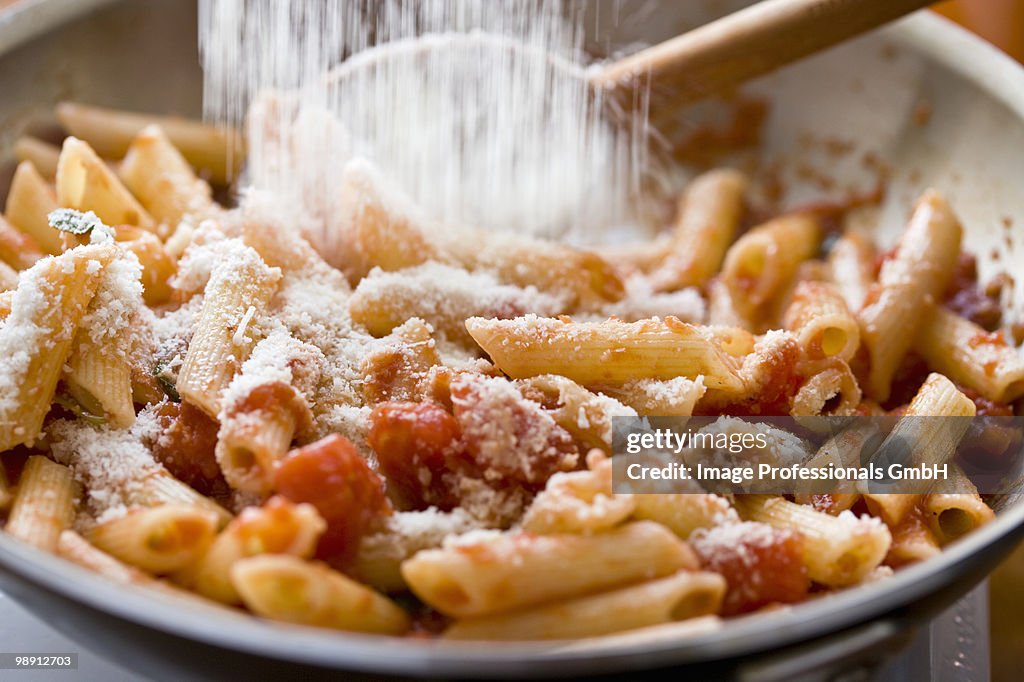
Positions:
(514, 571)
(709, 215)
(831, 390)
(578, 501)
(44, 505)
(763, 262)
(970, 356)
(158, 266)
(823, 325)
(683, 513)
(85, 183)
(678, 597)
(934, 440)
(160, 177)
(239, 289)
(277, 527)
(29, 201)
(51, 300)
(852, 264)
(609, 352)
(42, 155)
(289, 589)
(956, 509)
(838, 551)
(215, 151)
(916, 275)
(158, 540)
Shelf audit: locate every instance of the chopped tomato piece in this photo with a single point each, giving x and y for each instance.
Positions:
(762, 565)
(186, 447)
(416, 445)
(331, 475)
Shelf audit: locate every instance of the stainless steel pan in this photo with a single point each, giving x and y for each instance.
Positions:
(873, 94)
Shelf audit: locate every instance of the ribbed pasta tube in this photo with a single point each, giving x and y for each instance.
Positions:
(916, 275)
(54, 299)
(159, 540)
(216, 150)
(44, 505)
(85, 183)
(970, 356)
(517, 570)
(605, 352)
(238, 291)
(290, 589)
(709, 215)
(677, 597)
(823, 324)
(762, 263)
(838, 551)
(29, 201)
(934, 440)
(160, 177)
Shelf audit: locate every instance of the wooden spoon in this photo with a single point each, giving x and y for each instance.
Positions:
(751, 42)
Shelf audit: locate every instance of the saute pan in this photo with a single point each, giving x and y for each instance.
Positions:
(920, 103)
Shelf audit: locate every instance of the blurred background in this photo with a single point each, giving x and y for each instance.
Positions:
(1001, 22)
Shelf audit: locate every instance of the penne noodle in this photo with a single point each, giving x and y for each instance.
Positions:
(42, 155)
(578, 501)
(256, 432)
(211, 150)
(823, 325)
(160, 177)
(763, 262)
(101, 381)
(709, 215)
(831, 391)
(518, 570)
(239, 290)
(85, 183)
(286, 588)
(17, 249)
(277, 527)
(934, 440)
(957, 509)
(678, 597)
(683, 513)
(916, 275)
(76, 549)
(852, 264)
(44, 504)
(838, 551)
(51, 300)
(659, 398)
(610, 352)
(158, 540)
(29, 201)
(161, 488)
(970, 356)
(585, 415)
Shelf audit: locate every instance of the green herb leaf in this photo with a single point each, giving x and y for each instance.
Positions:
(75, 408)
(72, 221)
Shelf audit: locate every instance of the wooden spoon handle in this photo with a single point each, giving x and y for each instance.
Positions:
(745, 44)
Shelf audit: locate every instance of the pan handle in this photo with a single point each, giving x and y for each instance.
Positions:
(851, 656)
